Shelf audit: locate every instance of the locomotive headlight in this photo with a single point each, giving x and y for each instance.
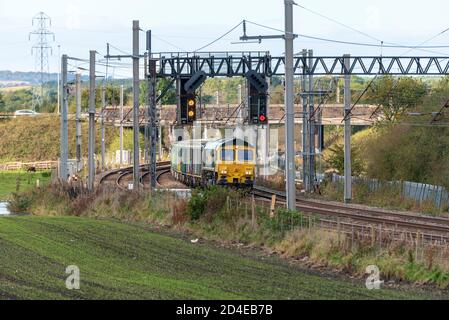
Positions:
(224, 172)
(248, 173)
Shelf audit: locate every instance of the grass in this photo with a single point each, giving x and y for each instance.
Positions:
(12, 89)
(129, 261)
(37, 139)
(397, 261)
(14, 181)
(224, 216)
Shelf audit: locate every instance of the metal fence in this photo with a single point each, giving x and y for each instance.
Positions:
(349, 234)
(419, 192)
(44, 165)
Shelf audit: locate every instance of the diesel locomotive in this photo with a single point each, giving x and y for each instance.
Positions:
(224, 162)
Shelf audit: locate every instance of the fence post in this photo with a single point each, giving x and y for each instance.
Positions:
(352, 239)
(339, 230)
(253, 212)
(440, 198)
(418, 235)
(423, 245)
(273, 206)
(380, 236)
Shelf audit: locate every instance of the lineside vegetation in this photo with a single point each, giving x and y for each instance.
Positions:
(226, 216)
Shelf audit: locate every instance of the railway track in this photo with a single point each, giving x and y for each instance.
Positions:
(368, 216)
(119, 176)
(162, 170)
(160, 174)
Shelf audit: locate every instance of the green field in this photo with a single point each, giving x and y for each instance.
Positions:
(9, 179)
(122, 261)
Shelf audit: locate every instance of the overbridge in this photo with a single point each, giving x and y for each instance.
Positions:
(229, 115)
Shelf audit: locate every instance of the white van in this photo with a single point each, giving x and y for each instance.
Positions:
(25, 113)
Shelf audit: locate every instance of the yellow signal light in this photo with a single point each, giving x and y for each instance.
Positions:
(191, 114)
(191, 103)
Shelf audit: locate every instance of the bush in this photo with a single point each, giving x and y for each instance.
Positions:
(20, 203)
(196, 205)
(285, 220)
(211, 203)
(275, 182)
(46, 174)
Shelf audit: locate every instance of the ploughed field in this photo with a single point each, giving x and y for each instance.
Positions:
(124, 261)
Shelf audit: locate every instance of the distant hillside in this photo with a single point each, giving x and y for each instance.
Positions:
(30, 77)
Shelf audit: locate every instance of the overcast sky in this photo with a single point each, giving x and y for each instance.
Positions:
(82, 25)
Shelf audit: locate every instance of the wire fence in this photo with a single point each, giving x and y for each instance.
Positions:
(419, 192)
(349, 234)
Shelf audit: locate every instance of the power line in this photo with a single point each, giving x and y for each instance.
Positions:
(219, 38)
(427, 41)
(375, 45)
(363, 44)
(391, 45)
(397, 82)
(120, 50)
(340, 23)
(265, 26)
(188, 37)
(169, 43)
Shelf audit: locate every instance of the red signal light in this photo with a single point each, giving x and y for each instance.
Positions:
(262, 118)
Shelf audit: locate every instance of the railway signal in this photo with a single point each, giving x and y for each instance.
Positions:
(187, 102)
(195, 81)
(191, 108)
(187, 99)
(257, 80)
(258, 98)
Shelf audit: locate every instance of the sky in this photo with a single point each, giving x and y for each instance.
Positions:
(180, 25)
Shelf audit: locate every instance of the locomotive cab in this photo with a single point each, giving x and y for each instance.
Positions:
(235, 164)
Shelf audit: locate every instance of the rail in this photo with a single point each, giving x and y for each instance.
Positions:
(119, 175)
(369, 216)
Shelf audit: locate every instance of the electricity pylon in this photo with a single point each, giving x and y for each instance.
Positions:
(40, 50)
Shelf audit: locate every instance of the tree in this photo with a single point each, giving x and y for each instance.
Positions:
(336, 159)
(277, 94)
(437, 97)
(169, 97)
(112, 96)
(395, 97)
(227, 89)
(17, 99)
